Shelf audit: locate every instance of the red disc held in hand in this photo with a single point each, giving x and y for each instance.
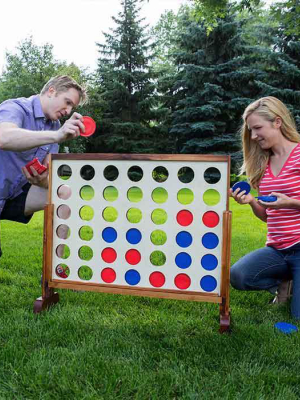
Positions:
(90, 126)
(36, 165)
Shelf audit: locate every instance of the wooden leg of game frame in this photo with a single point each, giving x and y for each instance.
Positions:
(44, 302)
(224, 319)
(225, 279)
(49, 297)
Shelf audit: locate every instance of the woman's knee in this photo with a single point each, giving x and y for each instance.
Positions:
(242, 275)
(249, 270)
(237, 277)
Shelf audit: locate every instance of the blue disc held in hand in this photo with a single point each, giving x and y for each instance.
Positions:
(243, 186)
(267, 199)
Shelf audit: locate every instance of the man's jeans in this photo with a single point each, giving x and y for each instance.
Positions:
(265, 268)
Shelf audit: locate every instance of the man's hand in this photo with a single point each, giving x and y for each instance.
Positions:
(36, 179)
(71, 128)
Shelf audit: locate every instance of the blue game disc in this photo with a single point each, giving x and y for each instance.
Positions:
(209, 262)
(133, 236)
(267, 199)
(184, 239)
(208, 283)
(183, 260)
(109, 235)
(132, 277)
(285, 327)
(243, 185)
(210, 240)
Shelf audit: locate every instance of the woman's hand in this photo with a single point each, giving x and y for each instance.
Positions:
(240, 196)
(282, 201)
(258, 209)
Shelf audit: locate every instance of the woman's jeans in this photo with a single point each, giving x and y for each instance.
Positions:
(265, 268)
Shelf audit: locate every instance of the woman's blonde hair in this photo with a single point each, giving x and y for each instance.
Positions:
(255, 158)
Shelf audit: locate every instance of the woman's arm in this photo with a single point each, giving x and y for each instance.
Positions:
(258, 210)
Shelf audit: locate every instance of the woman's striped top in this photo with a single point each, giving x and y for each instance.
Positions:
(283, 224)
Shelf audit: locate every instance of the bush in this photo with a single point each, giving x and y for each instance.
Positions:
(236, 178)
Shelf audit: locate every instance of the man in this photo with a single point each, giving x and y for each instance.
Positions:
(29, 128)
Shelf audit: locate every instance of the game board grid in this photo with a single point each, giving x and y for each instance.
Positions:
(147, 184)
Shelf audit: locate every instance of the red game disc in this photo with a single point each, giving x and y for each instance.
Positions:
(108, 275)
(133, 256)
(210, 219)
(90, 126)
(36, 165)
(109, 255)
(182, 281)
(184, 217)
(157, 279)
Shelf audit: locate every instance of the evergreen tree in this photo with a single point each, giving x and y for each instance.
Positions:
(126, 86)
(221, 73)
(214, 84)
(166, 34)
(283, 65)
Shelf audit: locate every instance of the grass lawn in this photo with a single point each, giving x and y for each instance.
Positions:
(102, 346)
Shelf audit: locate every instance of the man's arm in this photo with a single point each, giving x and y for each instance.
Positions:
(13, 138)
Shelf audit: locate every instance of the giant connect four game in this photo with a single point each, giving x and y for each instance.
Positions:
(147, 225)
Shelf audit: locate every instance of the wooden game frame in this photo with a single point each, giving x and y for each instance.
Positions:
(50, 297)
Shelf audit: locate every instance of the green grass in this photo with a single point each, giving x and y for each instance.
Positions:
(101, 346)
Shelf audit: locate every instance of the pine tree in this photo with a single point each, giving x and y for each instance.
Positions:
(221, 73)
(283, 65)
(214, 84)
(126, 85)
(166, 34)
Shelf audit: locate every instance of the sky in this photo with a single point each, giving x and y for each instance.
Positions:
(72, 26)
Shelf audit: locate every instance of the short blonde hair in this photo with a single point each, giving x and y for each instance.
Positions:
(255, 158)
(62, 83)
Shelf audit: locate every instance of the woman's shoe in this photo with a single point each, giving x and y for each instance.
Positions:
(284, 292)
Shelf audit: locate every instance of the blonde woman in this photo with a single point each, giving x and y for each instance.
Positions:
(272, 163)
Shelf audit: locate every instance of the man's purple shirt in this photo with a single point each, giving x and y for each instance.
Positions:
(26, 113)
